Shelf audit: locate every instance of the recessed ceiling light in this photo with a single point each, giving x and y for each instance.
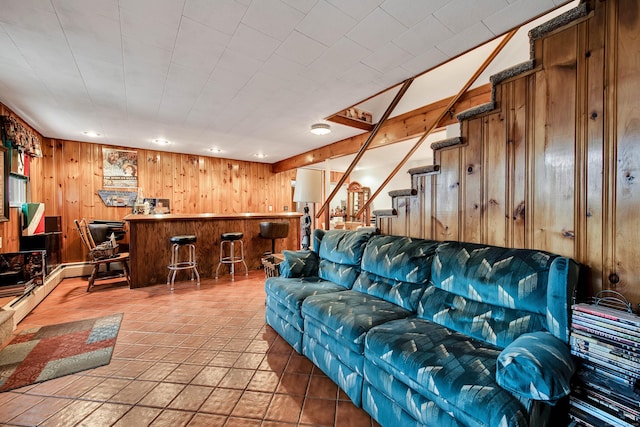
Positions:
(320, 129)
(92, 134)
(215, 150)
(160, 141)
(260, 155)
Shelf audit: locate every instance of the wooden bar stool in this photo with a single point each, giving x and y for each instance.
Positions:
(229, 239)
(190, 264)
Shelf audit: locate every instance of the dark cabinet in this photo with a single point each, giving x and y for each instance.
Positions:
(50, 242)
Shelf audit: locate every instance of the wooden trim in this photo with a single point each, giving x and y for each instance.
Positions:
(442, 114)
(610, 159)
(358, 124)
(396, 129)
(325, 206)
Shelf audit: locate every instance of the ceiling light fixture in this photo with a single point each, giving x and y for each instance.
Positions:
(260, 155)
(160, 141)
(92, 134)
(320, 129)
(215, 150)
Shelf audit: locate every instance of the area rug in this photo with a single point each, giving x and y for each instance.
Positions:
(48, 352)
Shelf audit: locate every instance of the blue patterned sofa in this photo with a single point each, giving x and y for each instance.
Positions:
(439, 333)
(332, 266)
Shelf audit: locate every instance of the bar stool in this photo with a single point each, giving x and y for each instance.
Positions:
(175, 265)
(230, 239)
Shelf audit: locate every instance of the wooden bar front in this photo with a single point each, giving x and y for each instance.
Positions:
(149, 244)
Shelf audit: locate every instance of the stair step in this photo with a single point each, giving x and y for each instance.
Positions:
(429, 169)
(385, 212)
(450, 142)
(569, 16)
(403, 193)
(536, 33)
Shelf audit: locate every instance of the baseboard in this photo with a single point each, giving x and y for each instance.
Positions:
(22, 306)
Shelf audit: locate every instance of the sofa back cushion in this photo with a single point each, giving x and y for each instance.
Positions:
(340, 254)
(396, 269)
(496, 294)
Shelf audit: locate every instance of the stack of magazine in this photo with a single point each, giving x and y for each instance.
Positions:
(607, 384)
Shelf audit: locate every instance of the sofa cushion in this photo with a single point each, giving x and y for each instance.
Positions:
(396, 269)
(291, 292)
(347, 316)
(494, 325)
(299, 264)
(451, 369)
(538, 366)
(340, 254)
(487, 292)
(399, 258)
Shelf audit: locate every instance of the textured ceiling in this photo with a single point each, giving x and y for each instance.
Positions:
(245, 76)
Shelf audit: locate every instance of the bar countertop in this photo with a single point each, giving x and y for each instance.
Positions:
(149, 246)
(201, 216)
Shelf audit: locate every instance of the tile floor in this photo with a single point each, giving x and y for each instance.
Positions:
(197, 357)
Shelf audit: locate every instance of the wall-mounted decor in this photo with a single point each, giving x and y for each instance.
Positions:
(32, 219)
(4, 185)
(117, 198)
(120, 168)
(21, 137)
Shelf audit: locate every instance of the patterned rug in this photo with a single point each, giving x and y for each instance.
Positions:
(48, 352)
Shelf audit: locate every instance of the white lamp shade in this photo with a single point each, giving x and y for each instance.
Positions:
(308, 186)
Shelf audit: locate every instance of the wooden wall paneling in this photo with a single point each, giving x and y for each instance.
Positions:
(473, 204)
(192, 187)
(416, 204)
(236, 178)
(419, 207)
(222, 180)
(180, 180)
(205, 185)
(519, 110)
(152, 180)
(251, 185)
(595, 191)
(592, 242)
(554, 151)
(399, 223)
(625, 272)
(496, 165)
(447, 196)
(216, 187)
(168, 171)
(590, 154)
(92, 207)
(73, 206)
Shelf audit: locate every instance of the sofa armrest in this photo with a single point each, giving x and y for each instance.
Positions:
(299, 264)
(536, 366)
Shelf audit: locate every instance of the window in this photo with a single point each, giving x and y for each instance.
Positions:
(17, 190)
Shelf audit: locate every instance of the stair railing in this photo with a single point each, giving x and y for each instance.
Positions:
(435, 122)
(324, 209)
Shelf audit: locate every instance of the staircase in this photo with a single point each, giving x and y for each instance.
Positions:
(434, 204)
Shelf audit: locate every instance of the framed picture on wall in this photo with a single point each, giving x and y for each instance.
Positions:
(4, 175)
(120, 168)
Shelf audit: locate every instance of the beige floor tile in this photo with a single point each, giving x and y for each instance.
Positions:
(195, 357)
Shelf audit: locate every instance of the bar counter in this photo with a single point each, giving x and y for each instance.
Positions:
(149, 245)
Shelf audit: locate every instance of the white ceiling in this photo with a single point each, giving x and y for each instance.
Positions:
(245, 76)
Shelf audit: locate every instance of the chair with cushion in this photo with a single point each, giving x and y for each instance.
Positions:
(101, 255)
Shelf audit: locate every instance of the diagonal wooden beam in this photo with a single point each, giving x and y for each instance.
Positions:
(372, 135)
(402, 127)
(434, 123)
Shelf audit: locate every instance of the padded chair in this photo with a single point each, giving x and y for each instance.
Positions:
(90, 244)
